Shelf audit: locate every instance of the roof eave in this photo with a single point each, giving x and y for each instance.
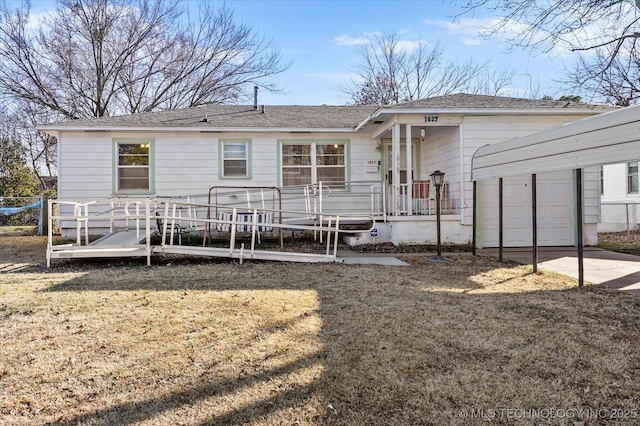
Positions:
(492, 111)
(50, 128)
(482, 111)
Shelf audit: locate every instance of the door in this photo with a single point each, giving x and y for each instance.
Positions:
(554, 205)
(403, 162)
(403, 175)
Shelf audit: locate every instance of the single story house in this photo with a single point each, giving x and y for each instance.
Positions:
(391, 149)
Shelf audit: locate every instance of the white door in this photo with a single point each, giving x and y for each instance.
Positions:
(554, 204)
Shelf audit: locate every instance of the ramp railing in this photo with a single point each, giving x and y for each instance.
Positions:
(97, 218)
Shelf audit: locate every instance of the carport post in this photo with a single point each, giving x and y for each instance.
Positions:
(534, 223)
(500, 221)
(580, 218)
(475, 211)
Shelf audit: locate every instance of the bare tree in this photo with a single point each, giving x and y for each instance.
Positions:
(17, 179)
(611, 80)
(106, 57)
(389, 73)
(38, 149)
(577, 25)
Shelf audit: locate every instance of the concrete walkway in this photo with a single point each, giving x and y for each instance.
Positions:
(612, 269)
(353, 258)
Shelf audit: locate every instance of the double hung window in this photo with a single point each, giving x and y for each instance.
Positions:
(632, 177)
(313, 162)
(234, 159)
(133, 169)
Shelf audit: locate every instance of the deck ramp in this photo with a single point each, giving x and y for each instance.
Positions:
(119, 238)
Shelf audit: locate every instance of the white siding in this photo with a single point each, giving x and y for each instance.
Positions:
(480, 131)
(615, 185)
(441, 151)
(85, 165)
(555, 200)
(187, 164)
(591, 194)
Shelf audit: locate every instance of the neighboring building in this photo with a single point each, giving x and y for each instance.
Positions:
(619, 182)
(186, 152)
(620, 190)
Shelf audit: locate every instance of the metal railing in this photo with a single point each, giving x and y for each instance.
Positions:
(161, 215)
(254, 221)
(419, 198)
(99, 216)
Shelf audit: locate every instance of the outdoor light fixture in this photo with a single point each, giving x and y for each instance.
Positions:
(422, 132)
(437, 178)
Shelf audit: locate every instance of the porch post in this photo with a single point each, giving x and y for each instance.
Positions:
(409, 170)
(395, 169)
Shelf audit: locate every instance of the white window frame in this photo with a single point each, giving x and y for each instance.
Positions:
(314, 166)
(247, 158)
(117, 167)
(632, 175)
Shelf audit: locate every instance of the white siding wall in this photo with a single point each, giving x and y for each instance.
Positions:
(441, 151)
(186, 164)
(615, 185)
(591, 191)
(480, 131)
(85, 165)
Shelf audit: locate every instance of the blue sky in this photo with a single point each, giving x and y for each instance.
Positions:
(321, 39)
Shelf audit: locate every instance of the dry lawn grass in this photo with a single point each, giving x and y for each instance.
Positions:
(620, 241)
(99, 343)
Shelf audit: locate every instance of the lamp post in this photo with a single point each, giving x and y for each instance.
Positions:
(437, 178)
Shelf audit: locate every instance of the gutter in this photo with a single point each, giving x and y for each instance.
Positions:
(55, 130)
(484, 111)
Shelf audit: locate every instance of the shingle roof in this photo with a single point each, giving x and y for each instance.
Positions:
(303, 117)
(468, 101)
(225, 116)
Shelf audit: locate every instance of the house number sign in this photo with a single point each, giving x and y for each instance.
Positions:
(431, 119)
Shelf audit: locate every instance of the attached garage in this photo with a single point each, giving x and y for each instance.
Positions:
(577, 148)
(555, 211)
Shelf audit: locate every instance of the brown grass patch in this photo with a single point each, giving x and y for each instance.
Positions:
(273, 343)
(620, 241)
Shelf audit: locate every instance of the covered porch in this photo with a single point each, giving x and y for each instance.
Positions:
(412, 148)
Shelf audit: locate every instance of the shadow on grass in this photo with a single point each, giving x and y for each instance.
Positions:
(407, 345)
(133, 412)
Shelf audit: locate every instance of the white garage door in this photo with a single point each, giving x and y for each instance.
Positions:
(555, 210)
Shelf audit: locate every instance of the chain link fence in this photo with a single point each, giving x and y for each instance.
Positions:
(22, 212)
(619, 218)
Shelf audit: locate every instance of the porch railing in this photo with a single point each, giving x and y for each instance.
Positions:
(419, 198)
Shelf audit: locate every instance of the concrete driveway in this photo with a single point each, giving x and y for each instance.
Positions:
(616, 270)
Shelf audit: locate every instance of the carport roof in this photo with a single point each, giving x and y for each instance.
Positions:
(611, 137)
